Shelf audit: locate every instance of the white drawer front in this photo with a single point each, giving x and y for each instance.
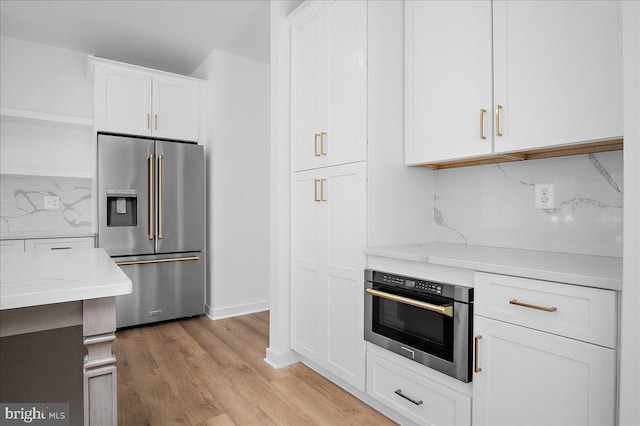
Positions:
(11, 246)
(582, 313)
(434, 404)
(58, 243)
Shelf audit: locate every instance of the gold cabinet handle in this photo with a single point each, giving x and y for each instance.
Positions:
(477, 339)
(482, 112)
(322, 182)
(146, 262)
(156, 121)
(498, 109)
(527, 305)
(315, 144)
(322, 135)
(315, 190)
(148, 121)
(444, 310)
(160, 196)
(150, 184)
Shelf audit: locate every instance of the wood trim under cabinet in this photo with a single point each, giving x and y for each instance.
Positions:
(562, 151)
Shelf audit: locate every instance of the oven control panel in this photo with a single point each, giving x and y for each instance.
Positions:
(425, 286)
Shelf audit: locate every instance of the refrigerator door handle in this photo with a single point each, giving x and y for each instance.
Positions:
(150, 161)
(160, 196)
(145, 262)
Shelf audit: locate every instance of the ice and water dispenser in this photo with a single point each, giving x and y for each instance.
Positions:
(122, 207)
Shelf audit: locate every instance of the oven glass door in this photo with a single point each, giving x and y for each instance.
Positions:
(416, 326)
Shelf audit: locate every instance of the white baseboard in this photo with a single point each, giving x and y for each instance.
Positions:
(235, 311)
(281, 359)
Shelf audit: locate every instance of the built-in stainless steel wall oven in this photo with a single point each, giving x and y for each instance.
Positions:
(428, 322)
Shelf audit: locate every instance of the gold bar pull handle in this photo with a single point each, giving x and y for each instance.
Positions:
(322, 182)
(315, 190)
(156, 121)
(146, 262)
(160, 196)
(444, 310)
(315, 144)
(528, 305)
(477, 339)
(482, 112)
(148, 121)
(322, 135)
(150, 206)
(498, 109)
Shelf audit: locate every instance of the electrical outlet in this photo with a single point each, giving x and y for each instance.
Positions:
(545, 196)
(51, 202)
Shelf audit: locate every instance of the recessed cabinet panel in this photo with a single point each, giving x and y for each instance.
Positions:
(11, 246)
(346, 66)
(175, 109)
(123, 101)
(307, 82)
(531, 377)
(328, 83)
(557, 72)
(448, 80)
(327, 242)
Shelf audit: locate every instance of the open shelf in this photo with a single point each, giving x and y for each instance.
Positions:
(67, 120)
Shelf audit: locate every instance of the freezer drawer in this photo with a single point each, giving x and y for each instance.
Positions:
(164, 287)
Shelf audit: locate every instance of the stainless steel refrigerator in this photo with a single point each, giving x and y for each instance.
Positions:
(151, 202)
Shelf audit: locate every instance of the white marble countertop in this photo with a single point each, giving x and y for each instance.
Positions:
(590, 271)
(42, 278)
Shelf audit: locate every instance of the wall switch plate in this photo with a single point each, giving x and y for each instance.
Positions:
(545, 196)
(51, 202)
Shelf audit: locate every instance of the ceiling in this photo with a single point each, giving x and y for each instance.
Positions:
(174, 36)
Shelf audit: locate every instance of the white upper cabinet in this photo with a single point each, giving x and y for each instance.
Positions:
(448, 90)
(328, 84)
(557, 72)
(553, 78)
(137, 101)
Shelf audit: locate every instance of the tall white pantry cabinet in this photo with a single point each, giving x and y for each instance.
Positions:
(328, 185)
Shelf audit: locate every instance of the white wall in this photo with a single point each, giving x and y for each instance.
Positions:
(36, 77)
(238, 182)
(630, 342)
(400, 202)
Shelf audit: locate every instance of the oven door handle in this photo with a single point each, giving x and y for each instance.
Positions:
(443, 310)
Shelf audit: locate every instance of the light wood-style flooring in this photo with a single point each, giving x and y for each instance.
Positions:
(203, 372)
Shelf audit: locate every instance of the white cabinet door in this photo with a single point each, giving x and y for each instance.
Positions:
(530, 377)
(448, 93)
(307, 86)
(308, 276)
(175, 108)
(327, 242)
(557, 72)
(345, 140)
(345, 232)
(123, 101)
(328, 84)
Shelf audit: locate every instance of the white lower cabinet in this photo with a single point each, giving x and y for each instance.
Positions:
(11, 246)
(58, 243)
(328, 231)
(415, 396)
(534, 364)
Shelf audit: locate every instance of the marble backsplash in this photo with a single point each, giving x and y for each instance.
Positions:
(22, 211)
(493, 205)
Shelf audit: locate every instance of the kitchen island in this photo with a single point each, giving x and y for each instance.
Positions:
(44, 297)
